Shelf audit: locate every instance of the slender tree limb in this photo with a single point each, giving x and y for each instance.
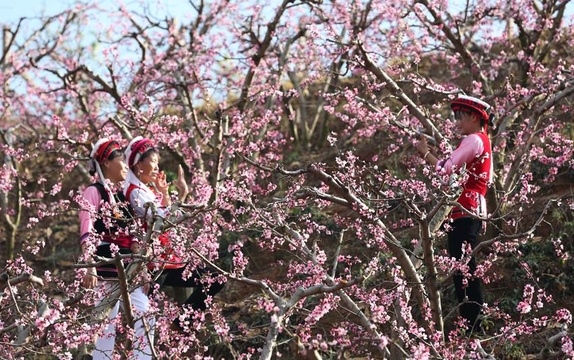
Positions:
(394, 88)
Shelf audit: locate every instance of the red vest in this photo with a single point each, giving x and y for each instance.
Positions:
(478, 172)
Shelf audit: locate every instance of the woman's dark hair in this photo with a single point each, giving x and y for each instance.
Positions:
(148, 153)
(114, 154)
(489, 122)
(458, 113)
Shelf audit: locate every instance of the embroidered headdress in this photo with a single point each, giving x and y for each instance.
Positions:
(136, 148)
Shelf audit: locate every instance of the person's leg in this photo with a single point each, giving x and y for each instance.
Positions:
(144, 326)
(104, 349)
(465, 230)
(196, 300)
(471, 309)
(199, 296)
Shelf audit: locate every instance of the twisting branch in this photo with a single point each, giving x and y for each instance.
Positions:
(395, 89)
(121, 126)
(11, 218)
(124, 292)
(345, 197)
(426, 230)
(551, 341)
(457, 42)
(502, 237)
(349, 303)
(262, 47)
(6, 280)
(362, 209)
(524, 234)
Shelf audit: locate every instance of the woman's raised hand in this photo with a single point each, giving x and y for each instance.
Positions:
(161, 183)
(180, 184)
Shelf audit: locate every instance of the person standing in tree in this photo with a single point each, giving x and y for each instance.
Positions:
(474, 154)
(147, 184)
(104, 224)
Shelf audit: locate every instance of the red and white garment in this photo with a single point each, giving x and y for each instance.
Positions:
(475, 152)
(139, 194)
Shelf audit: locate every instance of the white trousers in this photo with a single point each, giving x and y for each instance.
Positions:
(104, 349)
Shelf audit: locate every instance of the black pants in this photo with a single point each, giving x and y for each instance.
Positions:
(465, 231)
(173, 277)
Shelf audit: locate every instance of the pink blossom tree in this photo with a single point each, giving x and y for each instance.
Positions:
(294, 122)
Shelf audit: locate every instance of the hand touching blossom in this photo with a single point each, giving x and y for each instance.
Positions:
(422, 146)
(424, 151)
